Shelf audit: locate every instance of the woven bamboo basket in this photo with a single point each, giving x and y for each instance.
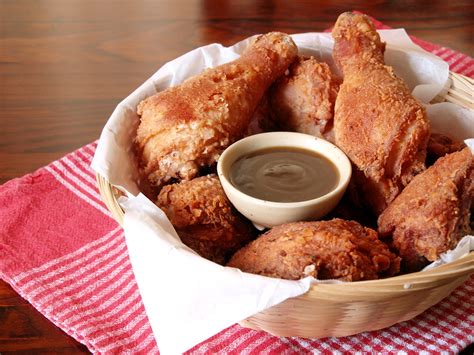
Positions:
(350, 308)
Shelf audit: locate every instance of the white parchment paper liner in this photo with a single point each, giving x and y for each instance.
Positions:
(187, 298)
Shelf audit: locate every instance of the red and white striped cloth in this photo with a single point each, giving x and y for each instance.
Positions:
(61, 250)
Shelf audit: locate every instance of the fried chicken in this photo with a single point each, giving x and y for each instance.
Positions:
(261, 120)
(204, 218)
(186, 127)
(433, 212)
(377, 122)
(303, 100)
(439, 145)
(335, 249)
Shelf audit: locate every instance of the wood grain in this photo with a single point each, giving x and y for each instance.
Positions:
(65, 65)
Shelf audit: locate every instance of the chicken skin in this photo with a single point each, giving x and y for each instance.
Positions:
(377, 122)
(439, 145)
(335, 249)
(433, 212)
(186, 127)
(204, 218)
(303, 100)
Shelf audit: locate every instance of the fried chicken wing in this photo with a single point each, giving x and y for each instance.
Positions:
(377, 122)
(204, 218)
(335, 249)
(186, 127)
(433, 212)
(303, 100)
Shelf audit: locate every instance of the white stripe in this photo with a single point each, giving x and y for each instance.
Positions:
(304, 344)
(150, 338)
(433, 337)
(66, 172)
(446, 54)
(87, 154)
(447, 325)
(89, 289)
(392, 335)
(94, 298)
(454, 59)
(125, 329)
(37, 289)
(263, 337)
(276, 344)
(83, 174)
(290, 344)
(77, 261)
(236, 342)
(396, 339)
(210, 344)
(59, 324)
(461, 63)
(90, 148)
(82, 314)
(125, 341)
(66, 257)
(469, 71)
(114, 317)
(78, 193)
(439, 50)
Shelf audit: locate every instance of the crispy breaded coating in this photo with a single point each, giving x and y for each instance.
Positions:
(261, 120)
(377, 122)
(186, 127)
(303, 99)
(433, 212)
(439, 145)
(204, 218)
(335, 249)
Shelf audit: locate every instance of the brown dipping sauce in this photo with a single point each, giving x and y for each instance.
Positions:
(284, 174)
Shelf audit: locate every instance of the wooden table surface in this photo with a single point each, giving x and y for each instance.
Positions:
(64, 66)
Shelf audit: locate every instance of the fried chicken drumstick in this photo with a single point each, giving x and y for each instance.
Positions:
(186, 127)
(377, 122)
(303, 101)
(433, 212)
(204, 218)
(335, 249)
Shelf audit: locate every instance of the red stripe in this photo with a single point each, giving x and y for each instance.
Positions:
(123, 341)
(68, 271)
(215, 339)
(82, 170)
(463, 63)
(88, 291)
(253, 337)
(282, 348)
(113, 322)
(406, 335)
(82, 308)
(422, 332)
(263, 342)
(152, 347)
(226, 341)
(82, 176)
(101, 313)
(37, 274)
(110, 318)
(67, 177)
(114, 260)
(469, 72)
